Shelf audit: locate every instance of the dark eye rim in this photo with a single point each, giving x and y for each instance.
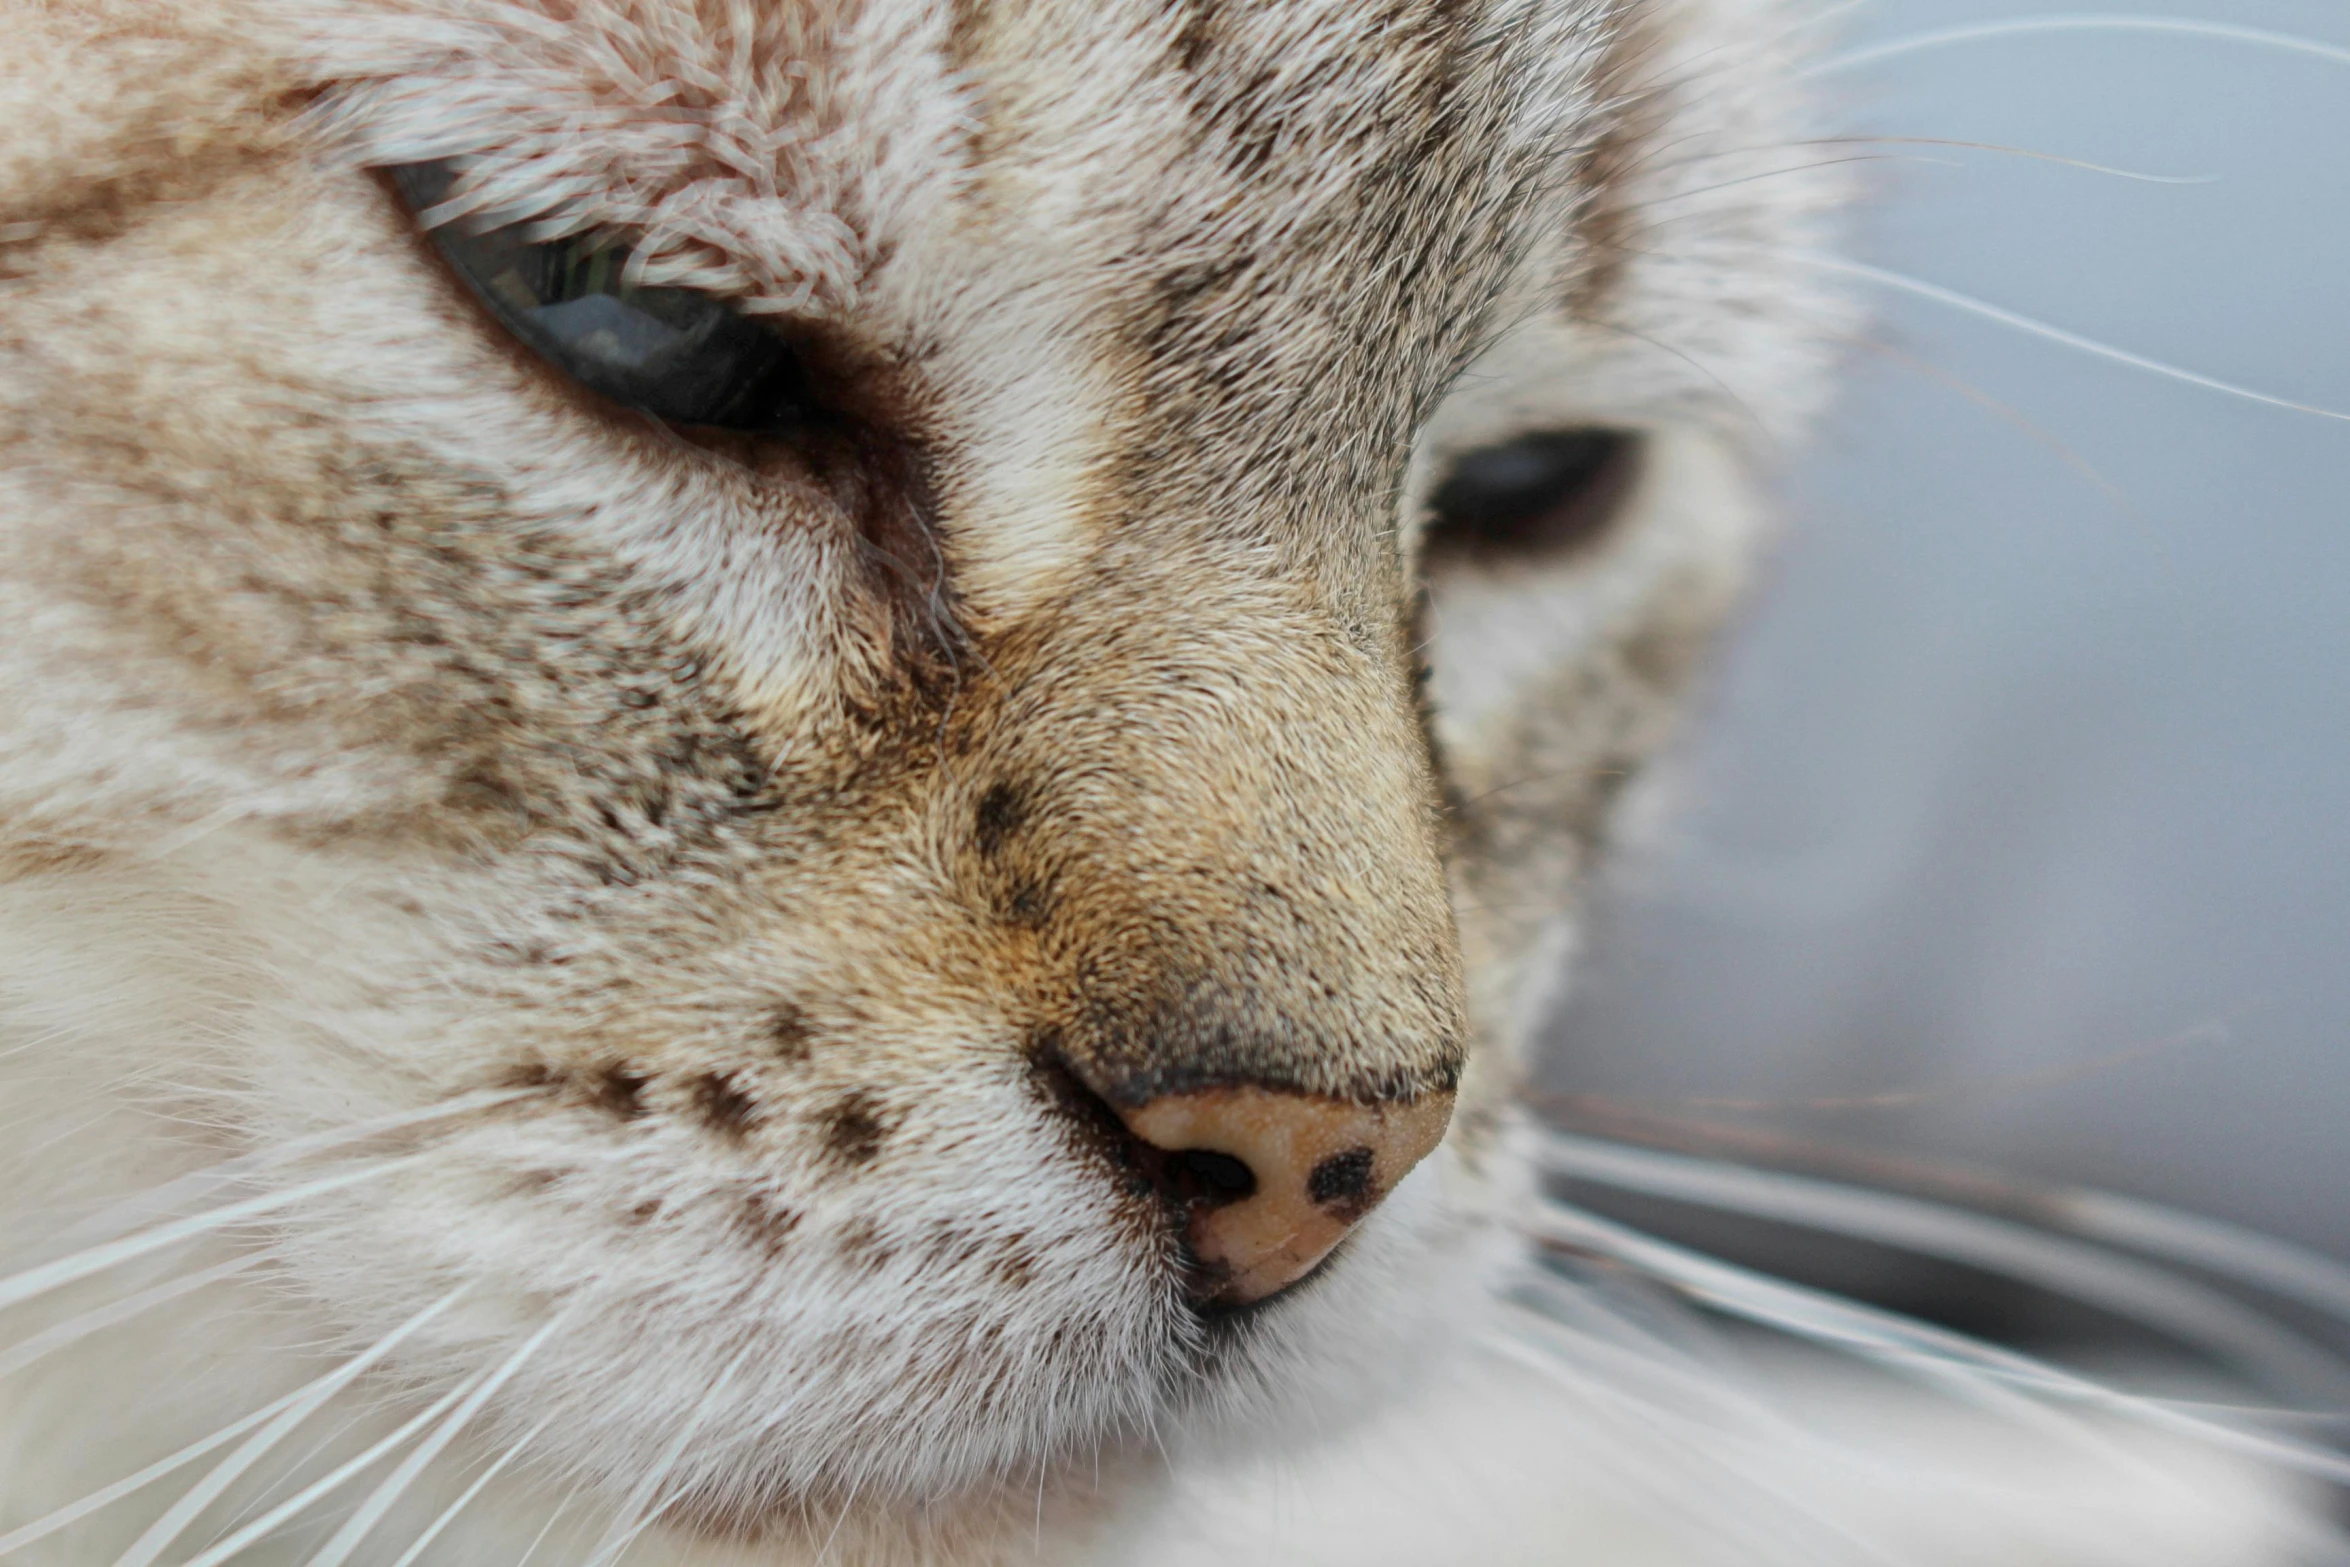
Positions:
(1542, 495)
(763, 385)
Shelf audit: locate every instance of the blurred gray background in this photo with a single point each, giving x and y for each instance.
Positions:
(2022, 804)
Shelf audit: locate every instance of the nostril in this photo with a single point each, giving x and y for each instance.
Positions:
(1343, 1180)
(1205, 1178)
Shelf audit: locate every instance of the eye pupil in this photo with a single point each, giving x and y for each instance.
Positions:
(1541, 494)
(673, 353)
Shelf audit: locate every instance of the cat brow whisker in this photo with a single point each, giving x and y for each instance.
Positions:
(175, 1519)
(2179, 26)
(1966, 302)
(2138, 175)
(36, 1281)
(1658, 219)
(2180, 1308)
(1746, 409)
(2001, 409)
(1528, 780)
(481, 1482)
(380, 1501)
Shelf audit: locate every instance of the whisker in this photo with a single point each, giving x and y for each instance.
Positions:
(2002, 410)
(2285, 1270)
(1530, 1341)
(338, 1550)
(2228, 1251)
(294, 1506)
(1747, 410)
(2055, 334)
(448, 1514)
(638, 1511)
(2014, 152)
(205, 1492)
(201, 1182)
(2180, 1308)
(531, 1551)
(48, 1342)
(106, 1496)
(96, 1259)
(1895, 1341)
(2178, 26)
(1528, 780)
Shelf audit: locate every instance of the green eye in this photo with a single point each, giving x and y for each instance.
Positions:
(673, 353)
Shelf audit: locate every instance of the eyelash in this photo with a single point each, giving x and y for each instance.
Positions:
(679, 355)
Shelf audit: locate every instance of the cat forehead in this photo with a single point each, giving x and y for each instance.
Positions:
(787, 154)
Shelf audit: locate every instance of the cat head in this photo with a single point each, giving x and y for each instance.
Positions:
(902, 695)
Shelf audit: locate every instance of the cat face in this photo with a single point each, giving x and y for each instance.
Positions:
(924, 882)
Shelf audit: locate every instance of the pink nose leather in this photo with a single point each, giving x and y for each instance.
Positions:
(1318, 1165)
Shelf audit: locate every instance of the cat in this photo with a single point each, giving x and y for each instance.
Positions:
(787, 781)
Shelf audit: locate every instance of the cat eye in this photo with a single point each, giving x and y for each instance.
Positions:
(674, 353)
(1541, 494)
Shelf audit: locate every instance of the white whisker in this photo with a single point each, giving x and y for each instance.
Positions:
(1697, 1442)
(545, 1530)
(1896, 1341)
(196, 1183)
(97, 1320)
(2287, 1271)
(2055, 334)
(106, 1496)
(2177, 26)
(481, 1482)
(338, 1550)
(160, 1534)
(293, 1507)
(639, 1513)
(2181, 1308)
(96, 1259)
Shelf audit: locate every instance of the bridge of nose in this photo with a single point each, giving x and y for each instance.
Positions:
(1239, 875)
(1212, 806)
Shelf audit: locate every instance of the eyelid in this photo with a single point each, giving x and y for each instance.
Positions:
(680, 355)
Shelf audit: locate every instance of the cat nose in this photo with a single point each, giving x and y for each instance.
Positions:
(1269, 1179)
